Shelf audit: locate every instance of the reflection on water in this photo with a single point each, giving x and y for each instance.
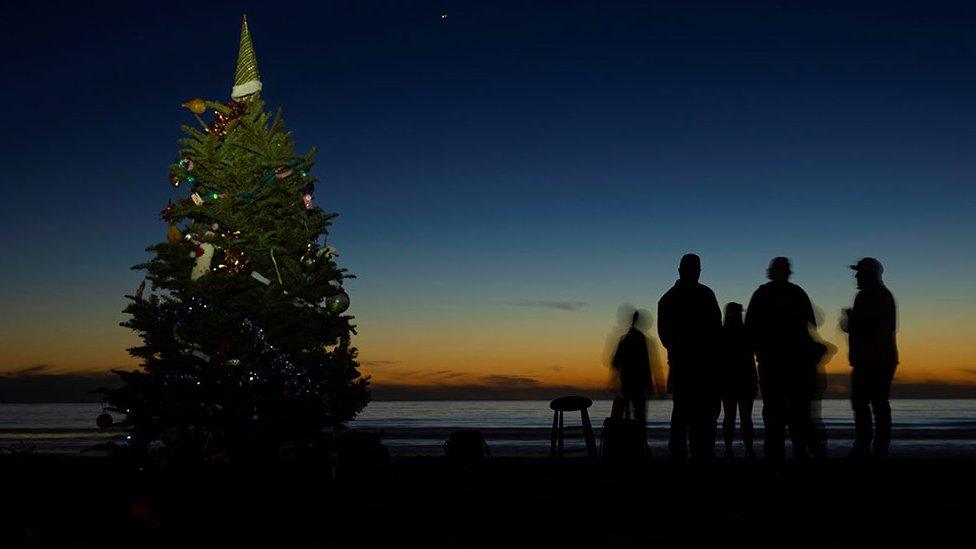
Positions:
(944, 427)
(908, 413)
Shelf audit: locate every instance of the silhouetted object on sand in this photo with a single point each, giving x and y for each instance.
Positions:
(466, 446)
(779, 320)
(571, 404)
(738, 381)
(632, 363)
(873, 354)
(622, 438)
(689, 324)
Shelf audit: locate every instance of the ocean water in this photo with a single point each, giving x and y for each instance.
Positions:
(921, 426)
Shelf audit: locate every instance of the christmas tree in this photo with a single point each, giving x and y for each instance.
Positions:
(245, 349)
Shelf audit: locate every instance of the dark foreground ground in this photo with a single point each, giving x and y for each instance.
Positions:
(505, 502)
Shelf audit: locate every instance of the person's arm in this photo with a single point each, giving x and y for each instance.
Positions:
(716, 313)
(890, 314)
(753, 316)
(808, 313)
(664, 322)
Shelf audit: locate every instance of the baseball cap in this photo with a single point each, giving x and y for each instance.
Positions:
(868, 265)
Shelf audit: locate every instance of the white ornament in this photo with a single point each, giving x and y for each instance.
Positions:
(202, 264)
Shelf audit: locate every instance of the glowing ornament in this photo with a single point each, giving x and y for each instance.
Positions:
(337, 303)
(233, 262)
(196, 105)
(307, 201)
(310, 256)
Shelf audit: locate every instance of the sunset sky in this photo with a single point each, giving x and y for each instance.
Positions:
(508, 176)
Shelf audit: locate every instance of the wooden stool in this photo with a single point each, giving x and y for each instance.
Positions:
(571, 404)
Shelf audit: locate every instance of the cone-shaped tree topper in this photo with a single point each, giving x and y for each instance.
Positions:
(246, 81)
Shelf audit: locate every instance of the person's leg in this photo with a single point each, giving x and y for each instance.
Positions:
(745, 424)
(694, 403)
(860, 403)
(640, 416)
(882, 414)
(702, 408)
(728, 425)
(678, 435)
(801, 429)
(818, 445)
(773, 413)
(710, 411)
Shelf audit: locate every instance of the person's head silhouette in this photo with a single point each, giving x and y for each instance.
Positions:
(690, 267)
(867, 271)
(779, 269)
(733, 314)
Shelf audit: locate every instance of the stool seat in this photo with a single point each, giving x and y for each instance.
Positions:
(570, 404)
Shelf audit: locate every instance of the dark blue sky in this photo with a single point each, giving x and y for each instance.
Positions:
(516, 151)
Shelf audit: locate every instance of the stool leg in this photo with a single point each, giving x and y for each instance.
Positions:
(555, 425)
(561, 437)
(588, 434)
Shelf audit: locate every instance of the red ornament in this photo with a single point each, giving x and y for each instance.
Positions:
(199, 251)
(219, 126)
(167, 212)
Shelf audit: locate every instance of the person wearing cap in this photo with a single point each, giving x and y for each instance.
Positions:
(873, 354)
(689, 325)
(779, 319)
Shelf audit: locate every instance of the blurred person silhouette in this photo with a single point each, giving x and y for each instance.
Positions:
(632, 365)
(779, 319)
(825, 350)
(738, 381)
(873, 354)
(689, 325)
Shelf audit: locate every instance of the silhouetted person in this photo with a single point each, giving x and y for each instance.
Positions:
(633, 365)
(689, 324)
(873, 355)
(778, 320)
(738, 381)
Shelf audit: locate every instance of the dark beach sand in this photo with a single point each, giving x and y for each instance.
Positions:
(56, 501)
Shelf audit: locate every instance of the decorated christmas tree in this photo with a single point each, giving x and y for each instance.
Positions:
(245, 349)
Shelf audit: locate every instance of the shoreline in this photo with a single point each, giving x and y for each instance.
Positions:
(529, 441)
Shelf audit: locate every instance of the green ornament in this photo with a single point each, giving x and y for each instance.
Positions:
(337, 303)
